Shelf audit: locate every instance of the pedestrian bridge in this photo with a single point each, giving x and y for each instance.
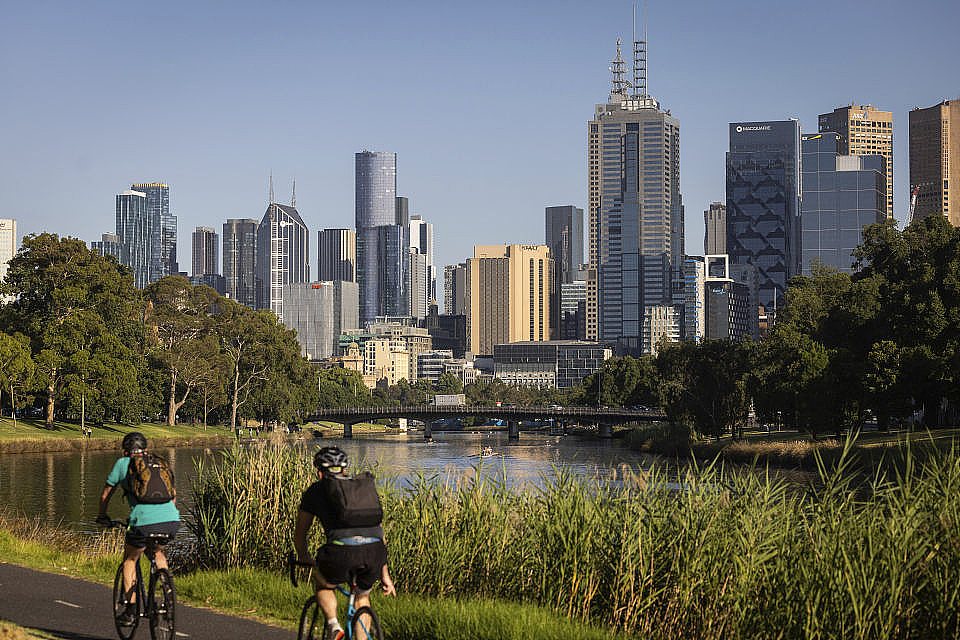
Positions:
(604, 418)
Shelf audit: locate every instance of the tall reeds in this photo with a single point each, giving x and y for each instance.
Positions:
(712, 553)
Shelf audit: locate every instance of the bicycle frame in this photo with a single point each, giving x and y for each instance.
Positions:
(351, 594)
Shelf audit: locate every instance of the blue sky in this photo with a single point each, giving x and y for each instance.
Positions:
(485, 103)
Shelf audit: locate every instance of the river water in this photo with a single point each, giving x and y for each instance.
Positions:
(65, 487)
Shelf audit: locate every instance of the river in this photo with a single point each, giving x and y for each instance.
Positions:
(65, 487)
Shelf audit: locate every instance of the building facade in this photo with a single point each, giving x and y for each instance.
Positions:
(695, 303)
(8, 244)
(337, 254)
(163, 230)
(422, 238)
(386, 360)
(564, 237)
(447, 331)
(135, 229)
(635, 213)
(319, 312)
(240, 260)
(418, 287)
(213, 280)
(841, 195)
(376, 206)
(935, 161)
(415, 340)
(430, 364)
(455, 289)
(508, 295)
(547, 365)
(715, 228)
(763, 203)
(283, 255)
(660, 323)
(206, 257)
(108, 245)
(864, 130)
(573, 310)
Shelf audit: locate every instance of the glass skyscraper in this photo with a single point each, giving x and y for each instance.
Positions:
(163, 230)
(841, 195)
(636, 213)
(283, 255)
(239, 260)
(763, 203)
(135, 230)
(376, 206)
(205, 251)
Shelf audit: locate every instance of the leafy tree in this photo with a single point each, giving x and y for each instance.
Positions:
(16, 366)
(339, 387)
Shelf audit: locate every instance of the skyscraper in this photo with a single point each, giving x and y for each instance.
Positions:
(163, 230)
(841, 195)
(564, 236)
(418, 284)
(283, 255)
(636, 242)
(337, 254)
(319, 312)
(205, 251)
(763, 203)
(108, 245)
(376, 206)
(935, 160)
(135, 228)
(715, 229)
(508, 295)
(240, 260)
(8, 244)
(422, 238)
(455, 289)
(864, 131)
(392, 274)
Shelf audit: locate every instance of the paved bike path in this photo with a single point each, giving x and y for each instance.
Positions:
(75, 609)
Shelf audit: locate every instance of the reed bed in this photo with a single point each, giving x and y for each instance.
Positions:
(731, 553)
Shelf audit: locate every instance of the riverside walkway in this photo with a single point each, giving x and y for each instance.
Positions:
(65, 607)
(604, 418)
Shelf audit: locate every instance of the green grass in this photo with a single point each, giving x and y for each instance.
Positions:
(10, 631)
(34, 435)
(268, 595)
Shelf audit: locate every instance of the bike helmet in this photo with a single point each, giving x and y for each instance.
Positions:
(331, 459)
(134, 441)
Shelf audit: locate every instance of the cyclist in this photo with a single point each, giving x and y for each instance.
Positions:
(351, 548)
(145, 519)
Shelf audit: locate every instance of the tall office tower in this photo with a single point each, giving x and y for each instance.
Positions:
(694, 306)
(573, 310)
(715, 229)
(135, 228)
(108, 245)
(422, 237)
(319, 312)
(841, 194)
(418, 284)
(403, 210)
(240, 260)
(635, 215)
(163, 229)
(376, 206)
(746, 274)
(337, 254)
(763, 202)
(205, 251)
(392, 275)
(864, 131)
(508, 295)
(455, 289)
(8, 244)
(564, 235)
(935, 161)
(283, 255)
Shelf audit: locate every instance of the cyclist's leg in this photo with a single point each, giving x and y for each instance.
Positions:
(131, 554)
(326, 596)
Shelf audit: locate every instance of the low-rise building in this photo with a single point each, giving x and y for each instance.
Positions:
(547, 364)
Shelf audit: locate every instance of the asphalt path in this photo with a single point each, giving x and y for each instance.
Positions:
(75, 609)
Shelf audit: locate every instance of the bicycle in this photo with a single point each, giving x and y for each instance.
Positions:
(160, 600)
(362, 623)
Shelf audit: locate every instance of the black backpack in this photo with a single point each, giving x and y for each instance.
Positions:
(353, 500)
(150, 479)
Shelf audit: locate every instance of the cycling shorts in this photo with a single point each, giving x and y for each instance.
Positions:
(334, 561)
(139, 536)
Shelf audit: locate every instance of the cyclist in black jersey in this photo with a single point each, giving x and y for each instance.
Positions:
(358, 548)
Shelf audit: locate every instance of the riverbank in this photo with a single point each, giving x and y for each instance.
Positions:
(268, 596)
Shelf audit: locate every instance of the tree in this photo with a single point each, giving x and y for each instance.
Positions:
(16, 366)
(339, 387)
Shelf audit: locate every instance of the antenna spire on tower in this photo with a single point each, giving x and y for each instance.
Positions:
(639, 57)
(616, 68)
(271, 186)
(293, 197)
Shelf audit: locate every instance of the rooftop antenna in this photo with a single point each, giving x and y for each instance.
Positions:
(616, 68)
(293, 198)
(271, 186)
(639, 58)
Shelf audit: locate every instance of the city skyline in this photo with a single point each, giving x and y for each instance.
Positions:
(78, 151)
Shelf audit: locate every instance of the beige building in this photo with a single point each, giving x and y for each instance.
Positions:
(864, 131)
(8, 244)
(415, 340)
(385, 359)
(935, 160)
(508, 295)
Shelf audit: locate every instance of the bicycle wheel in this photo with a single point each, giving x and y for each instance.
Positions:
(162, 604)
(366, 625)
(125, 628)
(308, 621)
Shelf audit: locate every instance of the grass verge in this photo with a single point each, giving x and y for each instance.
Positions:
(268, 596)
(35, 436)
(10, 631)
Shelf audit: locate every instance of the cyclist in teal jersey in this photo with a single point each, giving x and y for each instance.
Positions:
(145, 519)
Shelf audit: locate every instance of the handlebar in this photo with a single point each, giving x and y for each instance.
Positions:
(292, 564)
